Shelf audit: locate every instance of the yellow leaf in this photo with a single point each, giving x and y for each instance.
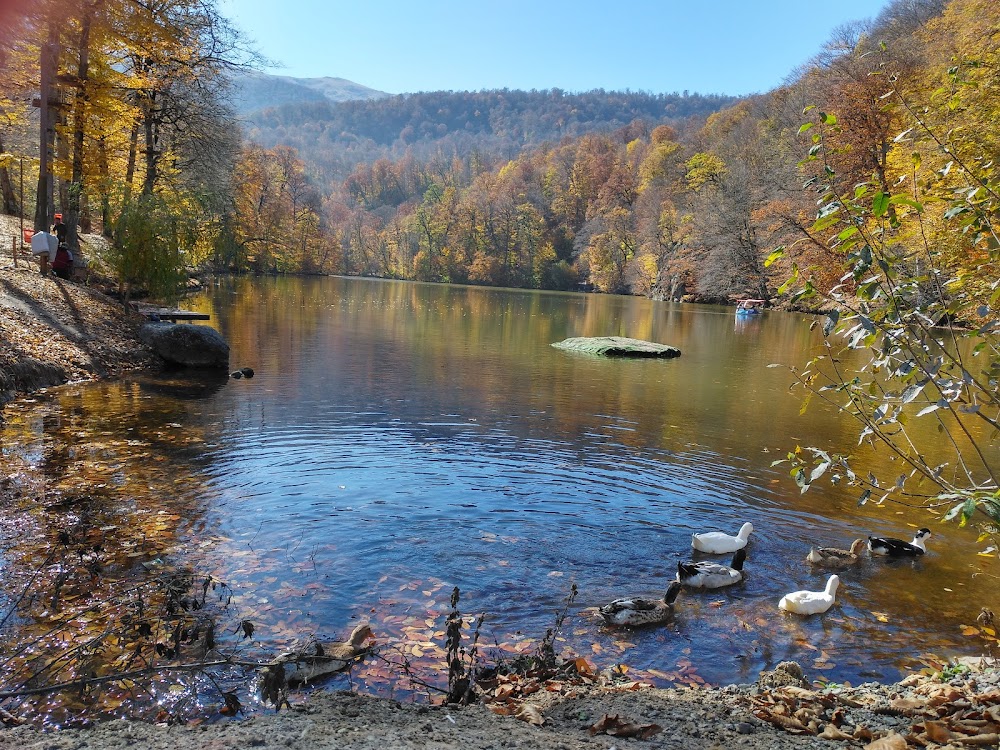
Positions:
(969, 630)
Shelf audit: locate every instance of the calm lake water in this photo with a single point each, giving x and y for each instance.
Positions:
(400, 439)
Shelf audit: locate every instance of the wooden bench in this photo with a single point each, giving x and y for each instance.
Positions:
(175, 315)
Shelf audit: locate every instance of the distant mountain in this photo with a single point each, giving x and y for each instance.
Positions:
(334, 137)
(257, 91)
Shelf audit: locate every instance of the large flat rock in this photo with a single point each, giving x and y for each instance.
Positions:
(186, 345)
(617, 346)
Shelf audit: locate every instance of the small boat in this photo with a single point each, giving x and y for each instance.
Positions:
(747, 307)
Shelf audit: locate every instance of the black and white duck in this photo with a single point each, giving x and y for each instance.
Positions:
(641, 611)
(879, 545)
(712, 575)
(836, 557)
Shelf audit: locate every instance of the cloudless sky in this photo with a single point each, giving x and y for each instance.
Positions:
(402, 46)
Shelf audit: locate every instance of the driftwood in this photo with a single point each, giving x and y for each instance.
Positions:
(311, 661)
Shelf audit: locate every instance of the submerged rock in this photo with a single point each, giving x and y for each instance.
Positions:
(617, 346)
(186, 345)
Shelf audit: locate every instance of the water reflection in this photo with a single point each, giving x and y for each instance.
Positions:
(402, 438)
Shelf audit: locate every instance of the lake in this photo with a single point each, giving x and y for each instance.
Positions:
(400, 439)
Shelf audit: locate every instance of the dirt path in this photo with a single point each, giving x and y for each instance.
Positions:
(54, 331)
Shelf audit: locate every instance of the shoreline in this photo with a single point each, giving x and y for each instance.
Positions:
(55, 332)
(776, 713)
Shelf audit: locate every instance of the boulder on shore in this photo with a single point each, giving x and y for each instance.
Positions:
(617, 346)
(186, 345)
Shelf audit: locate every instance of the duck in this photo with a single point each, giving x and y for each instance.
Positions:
(719, 543)
(811, 602)
(879, 545)
(641, 611)
(835, 556)
(711, 575)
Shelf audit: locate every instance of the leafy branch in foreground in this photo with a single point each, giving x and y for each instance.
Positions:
(910, 349)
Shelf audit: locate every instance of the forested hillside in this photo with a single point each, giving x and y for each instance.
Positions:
(334, 137)
(641, 207)
(625, 192)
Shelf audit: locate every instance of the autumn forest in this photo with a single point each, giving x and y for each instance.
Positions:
(659, 195)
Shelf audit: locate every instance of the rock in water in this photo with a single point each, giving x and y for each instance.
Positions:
(617, 346)
(186, 345)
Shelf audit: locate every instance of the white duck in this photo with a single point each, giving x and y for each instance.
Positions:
(641, 611)
(811, 602)
(836, 557)
(712, 575)
(719, 543)
(879, 545)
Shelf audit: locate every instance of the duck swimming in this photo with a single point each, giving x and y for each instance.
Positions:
(811, 602)
(834, 556)
(711, 575)
(719, 543)
(641, 611)
(890, 547)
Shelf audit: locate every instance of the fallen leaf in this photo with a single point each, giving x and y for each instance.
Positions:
(618, 727)
(890, 742)
(937, 732)
(982, 740)
(530, 713)
(830, 732)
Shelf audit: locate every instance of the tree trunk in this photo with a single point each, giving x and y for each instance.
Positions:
(7, 194)
(79, 123)
(152, 159)
(105, 182)
(48, 61)
(133, 148)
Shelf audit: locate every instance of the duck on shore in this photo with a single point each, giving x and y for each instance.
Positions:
(836, 557)
(636, 611)
(890, 547)
(712, 575)
(719, 543)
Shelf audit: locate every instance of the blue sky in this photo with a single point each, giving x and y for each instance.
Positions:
(722, 46)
